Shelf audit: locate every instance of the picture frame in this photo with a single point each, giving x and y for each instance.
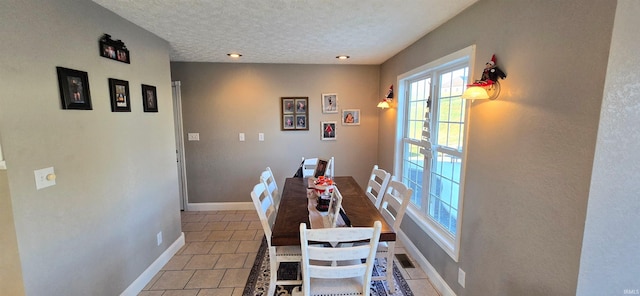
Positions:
(330, 103)
(119, 95)
(328, 132)
(294, 113)
(351, 117)
(149, 98)
(321, 167)
(74, 89)
(113, 49)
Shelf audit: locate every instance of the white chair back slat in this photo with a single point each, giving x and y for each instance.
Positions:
(377, 185)
(270, 180)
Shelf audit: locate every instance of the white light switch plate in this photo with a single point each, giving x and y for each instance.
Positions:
(41, 178)
(261, 137)
(194, 136)
(241, 137)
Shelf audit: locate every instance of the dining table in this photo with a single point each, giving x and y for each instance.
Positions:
(293, 210)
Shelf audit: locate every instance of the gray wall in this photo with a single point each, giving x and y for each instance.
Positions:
(95, 231)
(221, 100)
(610, 262)
(530, 152)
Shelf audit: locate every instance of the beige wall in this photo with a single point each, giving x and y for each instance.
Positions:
(610, 261)
(219, 101)
(530, 152)
(10, 270)
(95, 231)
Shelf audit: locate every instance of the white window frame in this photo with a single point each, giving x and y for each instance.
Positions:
(449, 243)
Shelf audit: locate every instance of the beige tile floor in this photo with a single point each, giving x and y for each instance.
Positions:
(219, 250)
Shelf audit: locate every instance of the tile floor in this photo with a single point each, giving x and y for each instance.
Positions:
(219, 250)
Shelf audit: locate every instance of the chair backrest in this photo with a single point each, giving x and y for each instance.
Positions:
(334, 207)
(267, 177)
(309, 167)
(316, 257)
(394, 203)
(377, 185)
(264, 205)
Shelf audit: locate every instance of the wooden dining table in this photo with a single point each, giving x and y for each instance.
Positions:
(293, 210)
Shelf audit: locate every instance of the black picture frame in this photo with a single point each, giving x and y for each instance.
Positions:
(74, 89)
(149, 98)
(113, 49)
(119, 95)
(294, 109)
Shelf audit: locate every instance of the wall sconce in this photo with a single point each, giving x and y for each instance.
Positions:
(488, 86)
(385, 102)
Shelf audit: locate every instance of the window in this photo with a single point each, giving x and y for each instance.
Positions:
(432, 120)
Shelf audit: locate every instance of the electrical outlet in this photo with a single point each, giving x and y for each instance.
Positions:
(159, 237)
(461, 276)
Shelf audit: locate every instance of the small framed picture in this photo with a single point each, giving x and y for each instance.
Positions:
(149, 98)
(351, 117)
(119, 90)
(295, 113)
(74, 89)
(328, 130)
(287, 106)
(321, 168)
(329, 103)
(113, 49)
(301, 122)
(289, 122)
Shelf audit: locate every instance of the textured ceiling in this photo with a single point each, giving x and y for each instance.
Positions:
(287, 31)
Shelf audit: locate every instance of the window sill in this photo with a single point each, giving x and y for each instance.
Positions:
(447, 243)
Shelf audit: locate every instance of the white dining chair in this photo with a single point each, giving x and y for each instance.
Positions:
(270, 180)
(393, 207)
(351, 275)
(377, 185)
(264, 205)
(309, 167)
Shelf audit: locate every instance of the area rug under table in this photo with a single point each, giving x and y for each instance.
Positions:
(258, 281)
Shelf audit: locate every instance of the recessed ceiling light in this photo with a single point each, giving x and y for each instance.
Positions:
(234, 55)
(342, 57)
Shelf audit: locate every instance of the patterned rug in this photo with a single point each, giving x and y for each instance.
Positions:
(258, 281)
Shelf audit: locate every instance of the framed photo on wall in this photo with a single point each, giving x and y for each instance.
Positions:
(119, 91)
(294, 113)
(149, 98)
(74, 89)
(328, 130)
(113, 49)
(351, 117)
(330, 103)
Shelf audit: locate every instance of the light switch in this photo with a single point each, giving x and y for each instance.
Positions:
(45, 178)
(261, 137)
(194, 136)
(241, 137)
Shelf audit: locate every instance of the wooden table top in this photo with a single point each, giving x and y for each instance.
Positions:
(293, 210)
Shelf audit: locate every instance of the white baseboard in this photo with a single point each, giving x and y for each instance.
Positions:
(153, 269)
(428, 269)
(220, 206)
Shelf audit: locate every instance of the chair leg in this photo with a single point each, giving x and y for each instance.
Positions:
(390, 255)
(273, 270)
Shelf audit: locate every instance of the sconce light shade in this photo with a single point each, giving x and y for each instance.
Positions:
(475, 93)
(383, 104)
